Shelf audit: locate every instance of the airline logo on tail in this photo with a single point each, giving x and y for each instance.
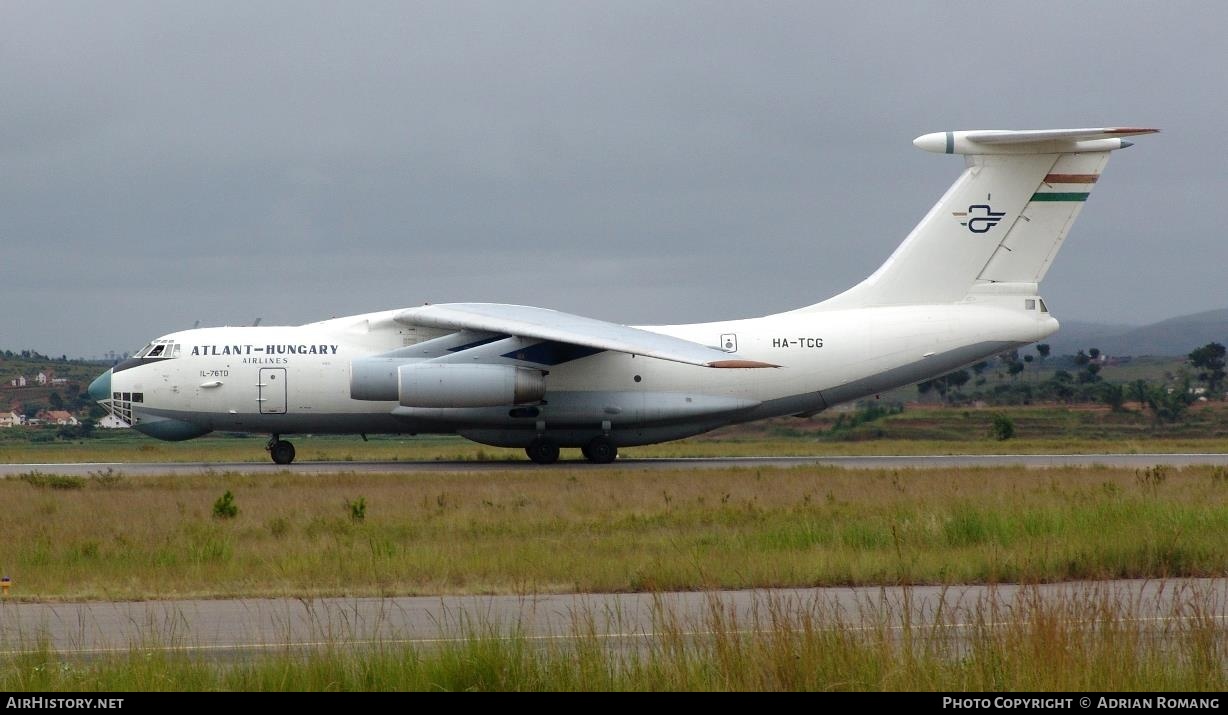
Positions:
(987, 218)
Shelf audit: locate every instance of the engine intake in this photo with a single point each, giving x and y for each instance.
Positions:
(374, 379)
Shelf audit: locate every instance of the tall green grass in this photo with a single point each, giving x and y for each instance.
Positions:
(1082, 640)
(576, 530)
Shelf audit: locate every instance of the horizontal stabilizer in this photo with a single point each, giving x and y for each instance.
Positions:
(1028, 141)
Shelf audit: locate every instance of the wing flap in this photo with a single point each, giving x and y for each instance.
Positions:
(552, 325)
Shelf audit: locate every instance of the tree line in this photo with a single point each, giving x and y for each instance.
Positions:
(1202, 375)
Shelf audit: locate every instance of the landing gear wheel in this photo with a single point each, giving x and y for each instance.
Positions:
(542, 451)
(600, 450)
(282, 452)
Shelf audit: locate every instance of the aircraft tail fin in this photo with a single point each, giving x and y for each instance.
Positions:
(1002, 221)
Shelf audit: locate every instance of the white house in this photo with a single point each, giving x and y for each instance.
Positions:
(41, 378)
(11, 419)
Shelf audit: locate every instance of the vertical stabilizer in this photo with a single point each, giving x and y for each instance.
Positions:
(1002, 221)
(1027, 251)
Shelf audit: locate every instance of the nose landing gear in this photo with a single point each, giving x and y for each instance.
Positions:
(280, 450)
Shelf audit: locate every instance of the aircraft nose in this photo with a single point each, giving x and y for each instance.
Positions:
(100, 388)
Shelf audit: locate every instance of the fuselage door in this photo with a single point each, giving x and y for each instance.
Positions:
(272, 391)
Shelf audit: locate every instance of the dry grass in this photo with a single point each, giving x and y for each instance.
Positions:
(1081, 641)
(573, 529)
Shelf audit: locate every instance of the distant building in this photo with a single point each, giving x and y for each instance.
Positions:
(57, 417)
(12, 419)
(112, 422)
(41, 378)
(19, 381)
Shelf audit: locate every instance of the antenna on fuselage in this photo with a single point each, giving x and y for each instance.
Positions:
(256, 322)
(195, 325)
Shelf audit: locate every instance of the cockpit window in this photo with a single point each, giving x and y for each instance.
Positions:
(159, 349)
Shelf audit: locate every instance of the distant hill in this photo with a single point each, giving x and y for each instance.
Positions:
(1172, 337)
(77, 375)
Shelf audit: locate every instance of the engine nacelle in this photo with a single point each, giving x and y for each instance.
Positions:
(449, 385)
(375, 379)
(419, 384)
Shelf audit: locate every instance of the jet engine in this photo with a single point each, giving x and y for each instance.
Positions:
(444, 385)
(425, 384)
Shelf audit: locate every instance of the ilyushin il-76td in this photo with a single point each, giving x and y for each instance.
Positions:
(962, 286)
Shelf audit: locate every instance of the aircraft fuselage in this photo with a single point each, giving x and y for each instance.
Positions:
(286, 380)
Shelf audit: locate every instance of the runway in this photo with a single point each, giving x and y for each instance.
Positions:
(137, 469)
(233, 628)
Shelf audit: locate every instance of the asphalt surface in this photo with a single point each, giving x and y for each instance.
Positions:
(231, 628)
(137, 469)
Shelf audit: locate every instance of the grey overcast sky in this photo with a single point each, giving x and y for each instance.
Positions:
(644, 162)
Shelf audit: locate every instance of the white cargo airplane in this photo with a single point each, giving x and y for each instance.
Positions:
(962, 286)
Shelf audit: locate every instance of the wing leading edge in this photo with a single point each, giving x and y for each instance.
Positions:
(545, 324)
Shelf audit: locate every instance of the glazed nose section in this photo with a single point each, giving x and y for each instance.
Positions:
(100, 388)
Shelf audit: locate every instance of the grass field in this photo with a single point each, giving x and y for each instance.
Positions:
(1083, 641)
(568, 528)
(573, 529)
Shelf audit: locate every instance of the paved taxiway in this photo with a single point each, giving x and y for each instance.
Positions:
(137, 469)
(230, 628)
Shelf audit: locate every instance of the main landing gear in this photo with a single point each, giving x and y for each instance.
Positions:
(543, 451)
(280, 450)
(599, 450)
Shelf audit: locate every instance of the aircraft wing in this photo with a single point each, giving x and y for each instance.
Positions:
(551, 325)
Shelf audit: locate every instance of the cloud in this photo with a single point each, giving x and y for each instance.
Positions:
(651, 163)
